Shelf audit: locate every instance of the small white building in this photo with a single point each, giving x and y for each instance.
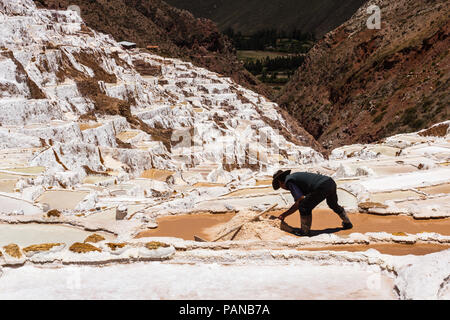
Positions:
(127, 44)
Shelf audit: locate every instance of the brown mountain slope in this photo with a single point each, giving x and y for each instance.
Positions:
(177, 33)
(359, 85)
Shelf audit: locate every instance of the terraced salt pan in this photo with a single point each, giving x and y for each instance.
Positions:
(8, 185)
(395, 249)
(186, 226)
(394, 169)
(208, 226)
(438, 189)
(157, 174)
(226, 205)
(440, 152)
(363, 223)
(103, 218)
(207, 184)
(266, 182)
(62, 199)
(93, 179)
(11, 175)
(206, 281)
(86, 126)
(380, 167)
(404, 140)
(13, 205)
(250, 192)
(326, 221)
(384, 150)
(33, 233)
(344, 181)
(127, 135)
(29, 170)
(394, 195)
(417, 179)
(437, 207)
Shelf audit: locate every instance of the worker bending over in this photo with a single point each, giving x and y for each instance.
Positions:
(308, 190)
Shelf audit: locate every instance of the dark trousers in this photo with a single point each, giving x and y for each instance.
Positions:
(326, 190)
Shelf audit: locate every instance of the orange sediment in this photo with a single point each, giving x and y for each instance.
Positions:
(94, 238)
(324, 221)
(41, 247)
(395, 249)
(13, 250)
(157, 174)
(185, 226)
(83, 248)
(442, 188)
(86, 126)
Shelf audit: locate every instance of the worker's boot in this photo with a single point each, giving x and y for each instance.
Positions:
(346, 223)
(306, 222)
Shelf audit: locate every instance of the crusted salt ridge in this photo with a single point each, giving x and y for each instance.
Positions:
(409, 272)
(412, 275)
(126, 250)
(104, 253)
(324, 240)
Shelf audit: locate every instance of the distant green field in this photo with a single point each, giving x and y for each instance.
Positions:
(270, 67)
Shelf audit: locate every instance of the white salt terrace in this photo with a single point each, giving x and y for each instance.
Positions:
(89, 172)
(206, 281)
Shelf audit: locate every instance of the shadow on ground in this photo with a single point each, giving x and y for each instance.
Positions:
(287, 228)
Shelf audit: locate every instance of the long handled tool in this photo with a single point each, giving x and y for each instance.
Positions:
(196, 238)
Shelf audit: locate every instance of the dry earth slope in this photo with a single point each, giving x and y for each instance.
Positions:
(360, 85)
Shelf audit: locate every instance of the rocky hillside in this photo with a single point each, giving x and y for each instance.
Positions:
(177, 33)
(360, 85)
(318, 16)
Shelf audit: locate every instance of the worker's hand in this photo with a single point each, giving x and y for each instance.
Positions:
(281, 217)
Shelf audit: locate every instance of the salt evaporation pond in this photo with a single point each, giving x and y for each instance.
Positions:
(186, 226)
(394, 249)
(324, 221)
(34, 233)
(62, 199)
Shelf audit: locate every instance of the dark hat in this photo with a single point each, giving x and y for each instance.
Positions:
(280, 175)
